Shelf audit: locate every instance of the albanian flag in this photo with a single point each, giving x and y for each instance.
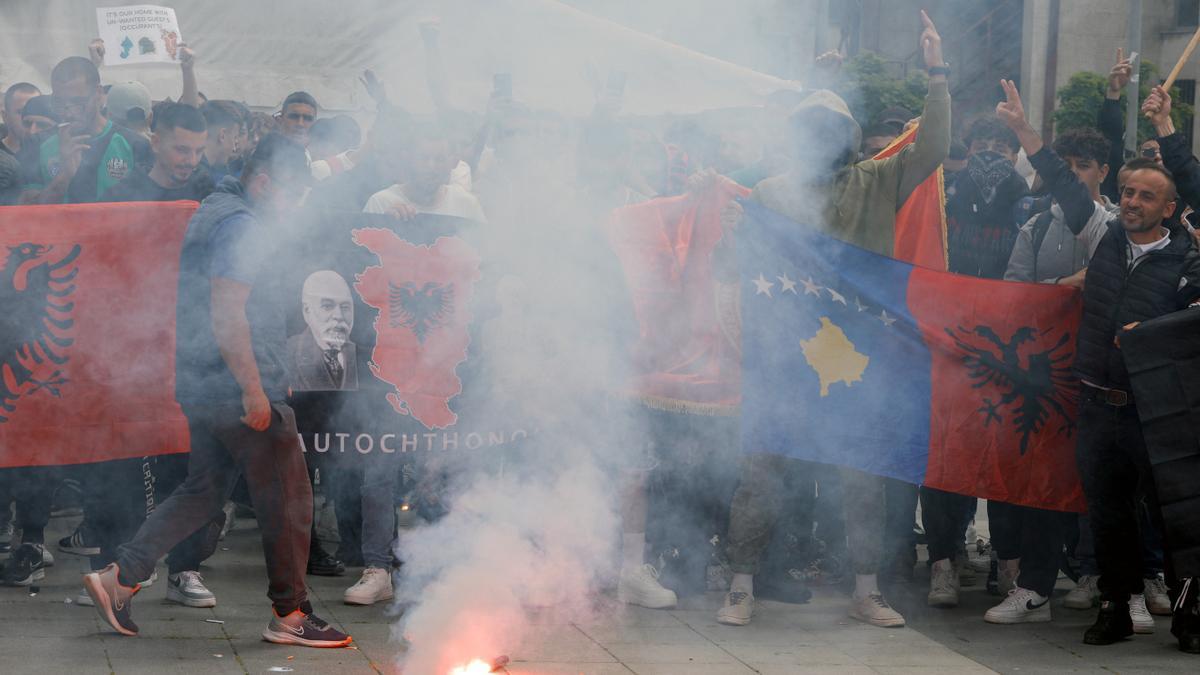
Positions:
(423, 294)
(683, 361)
(921, 221)
(87, 332)
(859, 360)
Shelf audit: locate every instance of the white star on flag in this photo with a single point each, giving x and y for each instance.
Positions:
(858, 303)
(835, 296)
(811, 288)
(887, 320)
(788, 284)
(764, 286)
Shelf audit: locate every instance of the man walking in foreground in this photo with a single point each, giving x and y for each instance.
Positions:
(231, 384)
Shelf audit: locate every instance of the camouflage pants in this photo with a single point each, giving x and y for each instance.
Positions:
(759, 498)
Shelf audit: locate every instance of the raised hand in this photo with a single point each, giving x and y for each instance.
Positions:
(96, 52)
(187, 57)
(931, 43)
(375, 87)
(1120, 74)
(1157, 106)
(1011, 111)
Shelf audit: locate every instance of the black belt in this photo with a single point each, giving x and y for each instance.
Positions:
(1113, 397)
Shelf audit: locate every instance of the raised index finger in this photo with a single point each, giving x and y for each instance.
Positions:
(926, 21)
(1120, 54)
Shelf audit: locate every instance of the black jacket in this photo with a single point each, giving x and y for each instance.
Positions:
(1179, 160)
(1112, 124)
(1162, 282)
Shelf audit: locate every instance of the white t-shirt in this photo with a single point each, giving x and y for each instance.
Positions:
(452, 200)
(1137, 251)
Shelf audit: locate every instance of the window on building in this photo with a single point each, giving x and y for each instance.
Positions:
(1187, 94)
(1187, 13)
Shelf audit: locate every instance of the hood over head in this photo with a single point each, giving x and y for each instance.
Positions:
(825, 129)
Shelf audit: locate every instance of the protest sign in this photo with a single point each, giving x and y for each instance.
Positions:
(139, 34)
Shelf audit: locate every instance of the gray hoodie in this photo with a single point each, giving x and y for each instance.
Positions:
(1061, 253)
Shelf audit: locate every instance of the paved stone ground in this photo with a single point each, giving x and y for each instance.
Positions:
(46, 634)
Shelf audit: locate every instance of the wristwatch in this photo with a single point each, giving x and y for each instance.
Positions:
(940, 70)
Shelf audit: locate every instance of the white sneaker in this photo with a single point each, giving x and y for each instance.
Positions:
(1157, 600)
(963, 572)
(943, 585)
(150, 580)
(980, 559)
(1085, 594)
(640, 586)
(1021, 606)
(374, 586)
(187, 588)
(737, 610)
(47, 559)
(1143, 623)
(874, 610)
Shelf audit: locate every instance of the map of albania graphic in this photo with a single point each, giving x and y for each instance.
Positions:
(423, 294)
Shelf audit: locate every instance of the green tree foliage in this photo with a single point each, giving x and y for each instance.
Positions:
(1079, 101)
(869, 88)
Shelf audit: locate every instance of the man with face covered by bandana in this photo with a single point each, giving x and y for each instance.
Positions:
(855, 202)
(982, 225)
(981, 215)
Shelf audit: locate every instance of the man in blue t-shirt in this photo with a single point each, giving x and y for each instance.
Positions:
(231, 382)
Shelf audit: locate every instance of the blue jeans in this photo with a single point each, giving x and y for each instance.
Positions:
(365, 487)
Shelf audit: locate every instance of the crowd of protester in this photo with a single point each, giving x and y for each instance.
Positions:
(1116, 228)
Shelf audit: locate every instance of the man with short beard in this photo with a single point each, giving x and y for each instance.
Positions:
(178, 142)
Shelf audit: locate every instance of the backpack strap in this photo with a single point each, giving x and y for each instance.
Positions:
(1041, 226)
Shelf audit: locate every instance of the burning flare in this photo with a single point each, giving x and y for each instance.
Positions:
(476, 667)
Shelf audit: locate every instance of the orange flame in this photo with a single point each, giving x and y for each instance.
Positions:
(476, 667)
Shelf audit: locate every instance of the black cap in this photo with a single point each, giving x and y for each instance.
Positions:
(40, 106)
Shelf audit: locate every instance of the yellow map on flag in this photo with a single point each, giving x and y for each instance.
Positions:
(833, 356)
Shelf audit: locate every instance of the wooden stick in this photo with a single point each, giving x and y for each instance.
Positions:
(1187, 54)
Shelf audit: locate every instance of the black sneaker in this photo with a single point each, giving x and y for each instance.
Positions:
(112, 600)
(322, 564)
(1113, 624)
(306, 630)
(77, 544)
(25, 566)
(1185, 622)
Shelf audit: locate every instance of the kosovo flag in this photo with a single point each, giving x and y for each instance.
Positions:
(859, 360)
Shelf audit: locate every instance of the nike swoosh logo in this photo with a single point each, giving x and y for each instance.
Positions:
(119, 605)
(1029, 604)
(295, 631)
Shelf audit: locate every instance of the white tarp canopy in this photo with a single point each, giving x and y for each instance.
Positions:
(260, 50)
